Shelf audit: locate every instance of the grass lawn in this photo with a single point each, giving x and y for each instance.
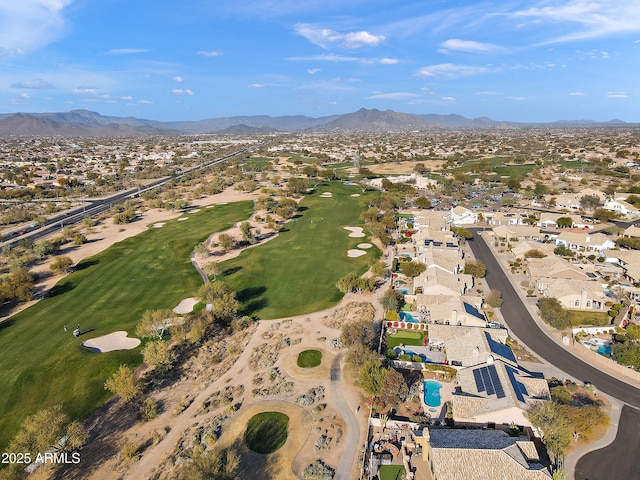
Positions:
(596, 319)
(41, 365)
(309, 358)
(391, 472)
(296, 272)
(266, 432)
(406, 338)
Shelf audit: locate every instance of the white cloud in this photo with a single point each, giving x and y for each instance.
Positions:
(617, 95)
(86, 90)
(516, 99)
(577, 94)
(177, 78)
(313, 71)
(126, 51)
(37, 84)
(26, 96)
(145, 102)
(448, 99)
(450, 70)
(330, 57)
(469, 46)
(324, 37)
(591, 19)
(28, 25)
(393, 96)
(257, 85)
(212, 53)
(180, 91)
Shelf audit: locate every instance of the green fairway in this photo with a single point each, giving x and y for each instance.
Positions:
(309, 358)
(41, 365)
(296, 272)
(266, 432)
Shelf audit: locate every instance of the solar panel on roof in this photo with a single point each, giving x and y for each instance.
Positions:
(487, 381)
(515, 384)
(495, 380)
(478, 378)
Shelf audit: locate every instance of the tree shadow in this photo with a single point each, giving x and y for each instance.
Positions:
(7, 323)
(86, 264)
(248, 293)
(302, 209)
(59, 289)
(231, 271)
(253, 306)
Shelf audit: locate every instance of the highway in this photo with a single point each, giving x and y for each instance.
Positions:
(523, 326)
(96, 207)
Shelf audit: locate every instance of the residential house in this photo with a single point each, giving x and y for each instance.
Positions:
(450, 310)
(632, 231)
(460, 216)
(553, 267)
(457, 454)
(549, 221)
(435, 281)
(521, 248)
(629, 260)
(574, 294)
(622, 208)
(585, 242)
(517, 232)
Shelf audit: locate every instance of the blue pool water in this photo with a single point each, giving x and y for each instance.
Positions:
(403, 291)
(407, 317)
(432, 393)
(604, 349)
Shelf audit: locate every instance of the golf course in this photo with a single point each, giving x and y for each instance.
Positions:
(42, 365)
(296, 273)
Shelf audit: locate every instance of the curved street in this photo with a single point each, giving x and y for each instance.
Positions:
(525, 328)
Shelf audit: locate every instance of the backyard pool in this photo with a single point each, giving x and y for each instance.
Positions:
(432, 393)
(407, 317)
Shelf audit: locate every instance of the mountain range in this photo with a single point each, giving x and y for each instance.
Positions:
(88, 123)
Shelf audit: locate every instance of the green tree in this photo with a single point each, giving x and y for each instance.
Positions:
(603, 215)
(358, 332)
(390, 300)
(422, 202)
(494, 298)
(224, 305)
(379, 269)
(412, 269)
(554, 424)
(226, 241)
(371, 377)
(124, 384)
(394, 389)
(209, 465)
(154, 323)
(348, 284)
(158, 355)
(564, 222)
(475, 268)
(534, 253)
(552, 312)
(589, 202)
(563, 251)
(61, 264)
(247, 234)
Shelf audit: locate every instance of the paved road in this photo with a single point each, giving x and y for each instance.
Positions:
(527, 330)
(613, 462)
(352, 440)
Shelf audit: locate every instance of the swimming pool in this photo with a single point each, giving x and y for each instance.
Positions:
(403, 291)
(407, 317)
(432, 393)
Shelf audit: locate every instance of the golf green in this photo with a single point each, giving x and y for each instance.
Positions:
(266, 432)
(309, 358)
(42, 365)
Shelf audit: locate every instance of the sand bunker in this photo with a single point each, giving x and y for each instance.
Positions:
(182, 219)
(355, 194)
(185, 306)
(195, 210)
(356, 232)
(326, 195)
(158, 225)
(113, 341)
(364, 245)
(353, 253)
(209, 206)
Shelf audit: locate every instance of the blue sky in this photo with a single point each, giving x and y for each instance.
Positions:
(510, 60)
